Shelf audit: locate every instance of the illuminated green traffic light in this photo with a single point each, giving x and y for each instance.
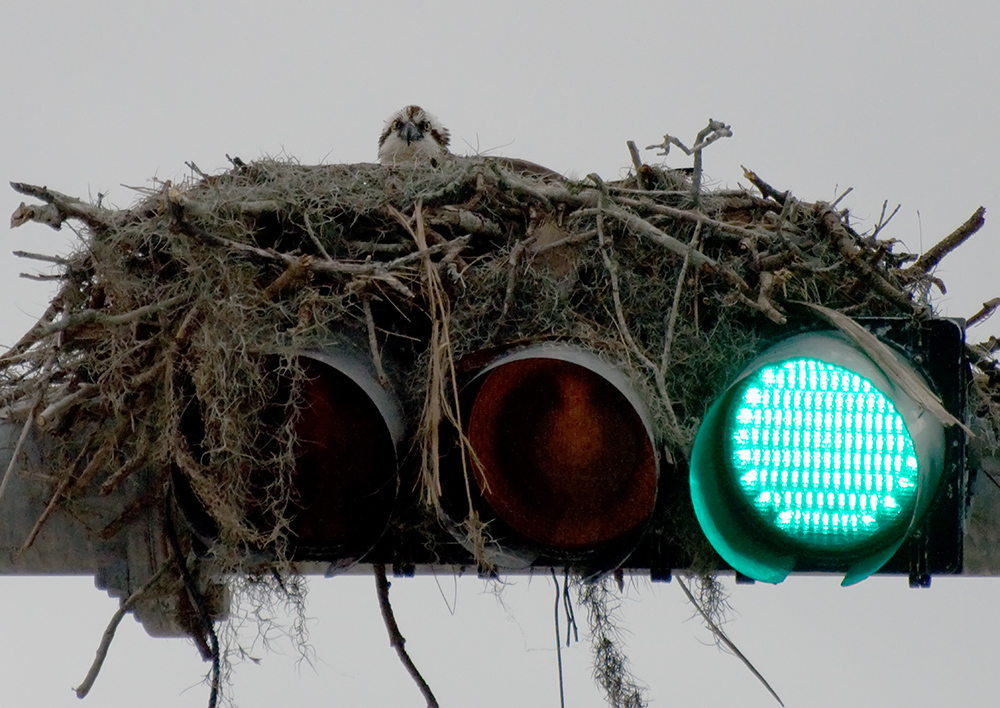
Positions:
(814, 460)
(821, 454)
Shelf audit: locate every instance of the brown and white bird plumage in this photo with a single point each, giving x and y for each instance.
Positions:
(411, 134)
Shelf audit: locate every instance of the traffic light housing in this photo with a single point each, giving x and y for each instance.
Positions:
(563, 466)
(816, 460)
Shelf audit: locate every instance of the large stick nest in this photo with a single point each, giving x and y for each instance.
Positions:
(188, 303)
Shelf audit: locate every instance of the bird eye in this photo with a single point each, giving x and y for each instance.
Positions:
(424, 125)
(396, 124)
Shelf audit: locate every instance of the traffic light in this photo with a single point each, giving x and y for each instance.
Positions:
(345, 482)
(815, 459)
(565, 462)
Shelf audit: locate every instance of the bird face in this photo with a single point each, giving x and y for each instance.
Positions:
(412, 134)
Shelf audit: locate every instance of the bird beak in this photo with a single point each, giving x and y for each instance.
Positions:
(409, 133)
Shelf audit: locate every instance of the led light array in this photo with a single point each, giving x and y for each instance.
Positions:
(820, 452)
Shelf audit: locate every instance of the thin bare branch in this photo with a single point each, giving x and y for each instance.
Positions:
(513, 260)
(883, 221)
(466, 221)
(56, 408)
(689, 215)
(835, 202)
(373, 341)
(210, 649)
(668, 337)
(637, 165)
(989, 307)
(721, 635)
(715, 130)
(109, 634)
(644, 228)
(26, 429)
(57, 496)
(846, 243)
(33, 335)
(58, 260)
(562, 689)
(313, 237)
(765, 189)
(100, 318)
(623, 328)
(396, 639)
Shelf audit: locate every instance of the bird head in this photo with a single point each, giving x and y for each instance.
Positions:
(412, 133)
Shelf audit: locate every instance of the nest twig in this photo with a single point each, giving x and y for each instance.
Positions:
(396, 637)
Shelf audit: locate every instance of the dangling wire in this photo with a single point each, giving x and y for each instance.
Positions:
(559, 596)
(571, 629)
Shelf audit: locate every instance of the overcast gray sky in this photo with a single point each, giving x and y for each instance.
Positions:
(897, 100)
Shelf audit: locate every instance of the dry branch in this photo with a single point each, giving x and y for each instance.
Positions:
(882, 220)
(668, 337)
(633, 151)
(765, 189)
(109, 634)
(57, 497)
(466, 221)
(33, 335)
(689, 215)
(58, 260)
(715, 130)
(61, 405)
(644, 228)
(989, 307)
(26, 428)
(612, 267)
(714, 627)
(58, 208)
(847, 243)
(103, 319)
(396, 639)
(950, 242)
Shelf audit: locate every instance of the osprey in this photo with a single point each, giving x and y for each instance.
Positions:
(412, 134)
